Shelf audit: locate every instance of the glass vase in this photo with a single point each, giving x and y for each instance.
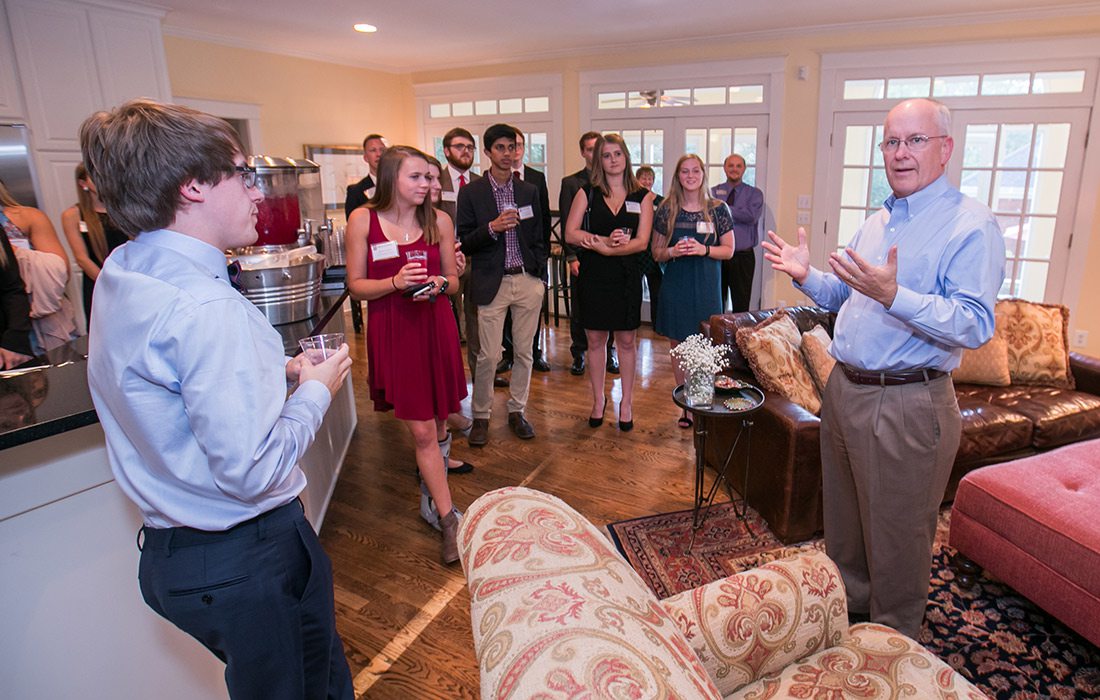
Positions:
(699, 388)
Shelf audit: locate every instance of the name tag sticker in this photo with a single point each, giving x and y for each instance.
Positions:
(633, 207)
(383, 251)
(526, 212)
(704, 227)
(450, 196)
(369, 192)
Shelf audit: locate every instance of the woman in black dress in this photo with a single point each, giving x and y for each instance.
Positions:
(90, 233)
(609, 223)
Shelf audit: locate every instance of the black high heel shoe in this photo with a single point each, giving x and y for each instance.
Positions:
(625, 425)
(597, 422)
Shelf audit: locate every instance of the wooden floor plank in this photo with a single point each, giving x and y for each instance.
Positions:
(403, 615)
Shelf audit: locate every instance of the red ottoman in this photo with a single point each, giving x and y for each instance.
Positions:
(1034, 523)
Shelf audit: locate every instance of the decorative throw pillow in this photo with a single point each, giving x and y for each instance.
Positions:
(987, 364)
(772, 349)
(1037, 337)
(815, 351)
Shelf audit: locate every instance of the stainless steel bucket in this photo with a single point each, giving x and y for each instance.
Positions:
(285, 293)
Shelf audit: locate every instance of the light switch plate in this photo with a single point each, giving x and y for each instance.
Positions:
(803, 218)
(805, 201)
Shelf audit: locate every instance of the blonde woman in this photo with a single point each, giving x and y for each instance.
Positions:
(692, 234)
(400, 258)
(90, 232)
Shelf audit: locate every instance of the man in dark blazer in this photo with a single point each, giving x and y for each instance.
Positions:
(570, 185)
(458, 149)
(358, 194)
(499, 222)
(536, 178)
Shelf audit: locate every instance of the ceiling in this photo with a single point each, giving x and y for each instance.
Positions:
(418, 35)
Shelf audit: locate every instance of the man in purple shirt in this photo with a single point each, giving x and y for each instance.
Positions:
(746, 204)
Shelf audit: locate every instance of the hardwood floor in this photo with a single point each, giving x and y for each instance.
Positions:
(404, 616)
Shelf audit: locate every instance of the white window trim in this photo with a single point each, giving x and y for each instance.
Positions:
(1057, 53)
(503, 87)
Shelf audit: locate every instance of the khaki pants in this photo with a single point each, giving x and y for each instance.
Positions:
(886, 456)
(522, 294)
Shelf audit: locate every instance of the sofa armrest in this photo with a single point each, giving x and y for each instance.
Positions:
(553, 606)
(1086, 372)
(760, 621)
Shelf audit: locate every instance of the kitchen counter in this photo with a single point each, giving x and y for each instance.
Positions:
(75, 624)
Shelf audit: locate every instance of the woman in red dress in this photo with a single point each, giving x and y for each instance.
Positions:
(398, 243)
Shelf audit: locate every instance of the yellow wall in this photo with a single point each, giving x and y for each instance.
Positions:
(301, 101)
(324, 103)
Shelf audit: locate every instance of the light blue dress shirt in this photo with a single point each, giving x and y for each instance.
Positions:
(951, 259)
(189, 381)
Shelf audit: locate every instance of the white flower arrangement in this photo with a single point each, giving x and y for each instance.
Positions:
(698, 354)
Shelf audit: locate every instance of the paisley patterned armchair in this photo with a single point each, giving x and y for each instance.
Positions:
(557, 613)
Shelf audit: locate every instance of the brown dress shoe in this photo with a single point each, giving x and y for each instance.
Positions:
(520, 426)
(479, 433)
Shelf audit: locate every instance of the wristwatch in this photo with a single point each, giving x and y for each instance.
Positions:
(443, 287)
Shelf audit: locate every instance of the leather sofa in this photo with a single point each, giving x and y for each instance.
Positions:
(556, 612)
(784, 481)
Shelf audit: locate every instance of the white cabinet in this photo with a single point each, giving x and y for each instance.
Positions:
(11, 103)
(75, 59)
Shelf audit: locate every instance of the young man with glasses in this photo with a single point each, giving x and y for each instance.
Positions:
(499, 222)
(190, 384)
(916, 286)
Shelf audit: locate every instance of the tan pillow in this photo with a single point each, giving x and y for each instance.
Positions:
(987, 364)
(772, 349)
(1037, 338)
(815, 351)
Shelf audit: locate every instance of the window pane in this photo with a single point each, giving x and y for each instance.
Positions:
(715, 176)
(462, 109)
(658, 179)
(678, 97)
(1006, 84)
(633, 138)
(880, 188)
(485, 106)
(1045, 192)
(858, 149)
(955, 86)
(981, 144)
(864, 89)
(1051, 145)
(536, 104)
(437, 145)
(721, 145)
(513, 105)
(695, 141)
(744, 144)
(1033, 280)
(654, 141)
(976, 184)
(638, 100)
(850, 221)
(749, 178)
(1008, 191)
(746, 94)
(1038, 237)
(853, 188)
(440, 110)
(1059, 81)
(611, 100)
(1015, 147)
(1010, 231)
(536, 147)
(710, 96)
(900, 88)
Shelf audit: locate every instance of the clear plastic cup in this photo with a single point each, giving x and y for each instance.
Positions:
(318, 348)
(420, 257)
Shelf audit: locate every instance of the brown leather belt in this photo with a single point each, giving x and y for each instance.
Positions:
(513, 270)
(906, 376)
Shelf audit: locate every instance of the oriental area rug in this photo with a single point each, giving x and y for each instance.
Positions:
(997, 639)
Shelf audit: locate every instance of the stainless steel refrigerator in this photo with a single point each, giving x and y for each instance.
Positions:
(15, 164)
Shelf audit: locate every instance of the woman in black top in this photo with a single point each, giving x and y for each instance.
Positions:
(609, 224)
(91, 234)
(15, 310)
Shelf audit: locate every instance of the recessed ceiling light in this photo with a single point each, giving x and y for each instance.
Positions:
(365, 28)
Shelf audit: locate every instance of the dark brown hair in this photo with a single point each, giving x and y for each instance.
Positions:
(599, 179)
(141, 153)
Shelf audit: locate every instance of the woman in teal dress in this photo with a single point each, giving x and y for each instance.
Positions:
(692, 234)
